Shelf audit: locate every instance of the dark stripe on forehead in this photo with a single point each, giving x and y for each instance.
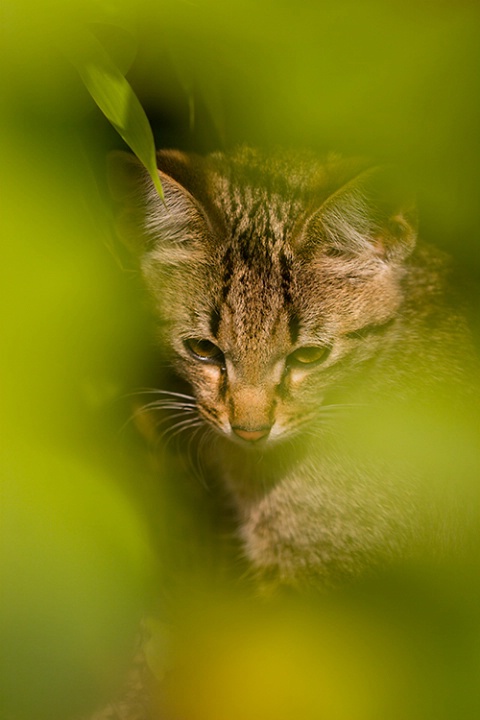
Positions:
(228, 265)
(286, 275)
(214, 321)
(294, 327)
(254, 251)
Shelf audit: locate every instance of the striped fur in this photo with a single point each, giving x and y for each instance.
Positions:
(263, 257)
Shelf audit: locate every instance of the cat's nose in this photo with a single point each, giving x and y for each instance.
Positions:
(252, 435)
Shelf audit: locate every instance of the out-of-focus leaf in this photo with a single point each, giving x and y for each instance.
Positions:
(213, 101)
(115, 98)
(208, 85)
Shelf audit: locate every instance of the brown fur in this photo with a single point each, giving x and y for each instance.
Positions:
(261, 256)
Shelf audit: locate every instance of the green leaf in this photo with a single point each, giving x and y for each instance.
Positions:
(115, 98)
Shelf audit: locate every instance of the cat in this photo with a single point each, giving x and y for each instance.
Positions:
(320, 350)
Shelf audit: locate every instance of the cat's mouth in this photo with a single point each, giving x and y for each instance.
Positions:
(258, 438)
(251, 435)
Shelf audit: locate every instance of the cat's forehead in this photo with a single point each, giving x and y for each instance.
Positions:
(257, 320)
(255, 269)
(253, 330)
(250, 210)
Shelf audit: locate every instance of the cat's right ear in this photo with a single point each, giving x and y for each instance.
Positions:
(168, 227)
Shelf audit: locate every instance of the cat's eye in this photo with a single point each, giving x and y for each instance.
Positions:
(204, 350)
(308, 355)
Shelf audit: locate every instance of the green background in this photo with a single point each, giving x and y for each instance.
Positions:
(398, 81)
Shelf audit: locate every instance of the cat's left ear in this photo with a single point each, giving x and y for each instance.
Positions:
(369, 215)
(146, 222)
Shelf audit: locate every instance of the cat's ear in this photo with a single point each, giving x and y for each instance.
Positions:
(169, 227)
(370, 214)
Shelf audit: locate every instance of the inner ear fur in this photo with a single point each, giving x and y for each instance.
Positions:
(369, 214)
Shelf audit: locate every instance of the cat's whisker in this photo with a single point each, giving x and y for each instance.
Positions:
(168, 436)
(161, 405)
(168, 418)
(341, 406)
(156, 391)
(180, 427)
(151, 407)
(180, 430)
(189, 451)
(197, 461)
(211, 435)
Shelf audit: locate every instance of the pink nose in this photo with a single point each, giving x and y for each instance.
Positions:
(251, 435)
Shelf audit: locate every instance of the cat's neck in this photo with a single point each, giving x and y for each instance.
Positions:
(251, 472)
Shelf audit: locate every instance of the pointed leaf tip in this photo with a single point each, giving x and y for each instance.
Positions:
(115, 97)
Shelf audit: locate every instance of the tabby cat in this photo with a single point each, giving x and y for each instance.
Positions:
(319, 347)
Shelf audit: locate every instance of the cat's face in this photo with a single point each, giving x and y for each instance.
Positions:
(270, 294)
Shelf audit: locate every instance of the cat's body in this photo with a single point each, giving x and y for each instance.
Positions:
(293, 300)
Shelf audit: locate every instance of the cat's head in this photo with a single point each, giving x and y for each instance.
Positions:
(271, 278)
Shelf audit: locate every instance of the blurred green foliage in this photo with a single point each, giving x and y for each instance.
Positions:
(398, 81)
(114, 96)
